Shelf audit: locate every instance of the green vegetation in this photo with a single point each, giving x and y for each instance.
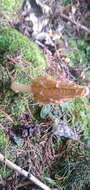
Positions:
(78, 113)
(3, 141)
(5, 148)
(33, 63)
(10, 8)
(80, 52)
(73, 170)
(66, 2)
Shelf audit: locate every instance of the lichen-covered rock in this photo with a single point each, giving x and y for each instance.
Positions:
(10, 8)
(33, 62)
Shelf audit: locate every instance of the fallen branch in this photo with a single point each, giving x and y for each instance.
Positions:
(23, 172)
(80, 26)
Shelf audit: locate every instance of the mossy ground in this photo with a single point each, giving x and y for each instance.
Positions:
(32, 63)
(5, 150)
(80, 54)
(10, 8)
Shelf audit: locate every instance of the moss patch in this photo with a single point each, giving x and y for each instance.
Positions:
(79, 112)
(10, 8)
(5, 150)
(34, 62)
(80, 52)
(31, 64)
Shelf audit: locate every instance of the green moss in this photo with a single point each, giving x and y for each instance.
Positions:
(15, 106)
(31, 64)
(5, 150)
(19, 106)
(73, 169)
(76, 112)
(10, 8)
(79, 112)
(34, 62)
(4, 79)
(3, 141)
(79, 53)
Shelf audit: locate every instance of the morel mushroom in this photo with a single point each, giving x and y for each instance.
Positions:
(46, 90)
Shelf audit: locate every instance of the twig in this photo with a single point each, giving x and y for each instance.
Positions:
(74, 22)
(23, 172)
(7, 116)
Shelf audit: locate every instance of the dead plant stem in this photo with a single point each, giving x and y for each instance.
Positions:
(23, 172)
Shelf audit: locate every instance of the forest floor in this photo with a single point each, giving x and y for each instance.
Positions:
(51, 141)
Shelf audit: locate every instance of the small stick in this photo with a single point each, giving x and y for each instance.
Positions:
(6, 115)
(74, 22)
(23, 172)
